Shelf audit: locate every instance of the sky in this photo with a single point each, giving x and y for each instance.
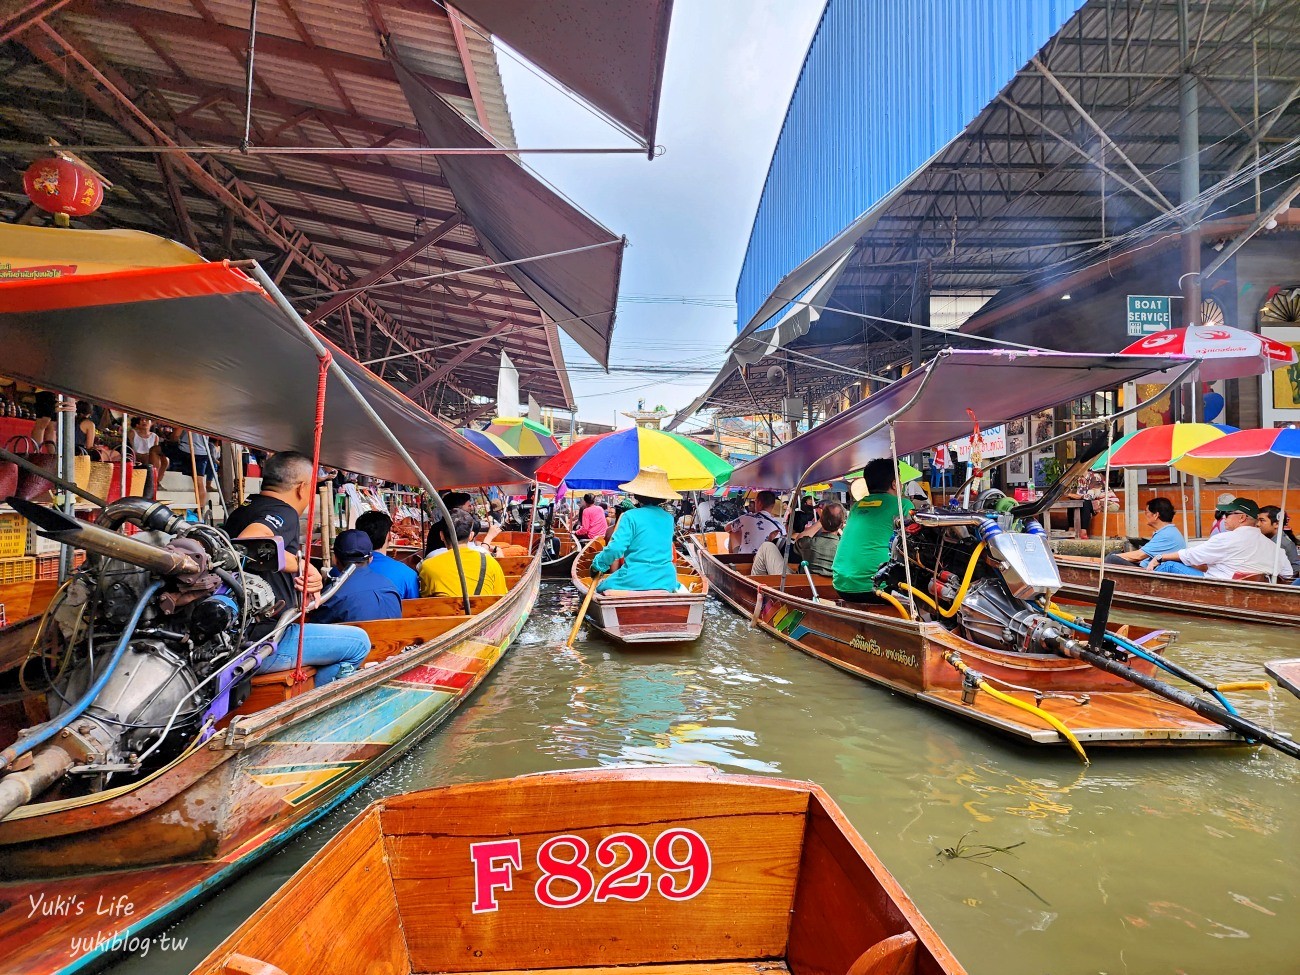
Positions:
(731, 68)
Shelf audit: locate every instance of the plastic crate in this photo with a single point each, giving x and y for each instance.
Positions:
(20, 569)
(38, 546)
(13, 535)
(47, 566)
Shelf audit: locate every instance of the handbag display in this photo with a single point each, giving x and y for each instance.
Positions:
(31, 485)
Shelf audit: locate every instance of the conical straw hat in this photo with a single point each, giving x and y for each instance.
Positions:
(651, 482)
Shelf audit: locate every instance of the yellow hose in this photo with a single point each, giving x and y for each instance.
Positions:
(1038, 712)
(902, 611)
(1245, 685)
(951, 611)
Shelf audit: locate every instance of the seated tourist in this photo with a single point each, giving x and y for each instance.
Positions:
(643, 538)
(1271, 522)
(1238, 550)
(864, 546)
(366, 594)
(378, 526)
(751, 530)
(1220, 509)
(483, 573)
(806, 514)
(288, 485)
(818, 543)
(1159, 518)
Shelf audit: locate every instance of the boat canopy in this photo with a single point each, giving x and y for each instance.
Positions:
(202, 345)
(995, 385)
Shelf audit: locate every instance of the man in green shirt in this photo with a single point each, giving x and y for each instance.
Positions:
(864, 547)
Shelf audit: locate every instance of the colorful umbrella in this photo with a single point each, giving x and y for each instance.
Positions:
(1159, 446)
(603, 463)
(1225, 353)
(528, 438)
(1249, 457)
(488, 442)
(1261, 457)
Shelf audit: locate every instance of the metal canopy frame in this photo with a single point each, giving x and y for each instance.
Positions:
(1079, 148)
(172, 73)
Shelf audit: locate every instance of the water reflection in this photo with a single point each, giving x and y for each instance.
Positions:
(1149, 861)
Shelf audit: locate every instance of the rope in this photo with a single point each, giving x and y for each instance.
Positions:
(305, 556)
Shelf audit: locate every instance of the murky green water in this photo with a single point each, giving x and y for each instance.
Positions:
(1163, 861)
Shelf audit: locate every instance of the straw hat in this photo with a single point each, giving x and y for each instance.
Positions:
(651, 482)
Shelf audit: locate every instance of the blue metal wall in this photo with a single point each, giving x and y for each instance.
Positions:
(885, 85)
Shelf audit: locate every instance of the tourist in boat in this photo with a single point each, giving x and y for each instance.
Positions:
(1220, 509)
(439, 536)
(378, 526)
(864, 546)
(1165, 536)
(483, 573)
(288, 485)
(643, 538)
(366, 594)
(750, 531)
(818, 543)
(592, 522)
(1272, 521)
(806, 514)
(1238, 551)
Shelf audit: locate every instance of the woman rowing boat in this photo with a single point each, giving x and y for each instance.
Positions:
(643, 538)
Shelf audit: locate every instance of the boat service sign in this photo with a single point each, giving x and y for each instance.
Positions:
(1148, 314)
(624, 866)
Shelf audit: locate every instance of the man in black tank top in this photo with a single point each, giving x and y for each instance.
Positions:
(288, 483)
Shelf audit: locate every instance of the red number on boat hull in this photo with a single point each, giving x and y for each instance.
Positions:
(631, 881)
(492, 871)
(573, 871)
(698, 861)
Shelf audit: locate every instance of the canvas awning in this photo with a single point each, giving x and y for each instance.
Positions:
(203, 346)
(31, 253)
(608, 52)
(996, 385)
(518, 216)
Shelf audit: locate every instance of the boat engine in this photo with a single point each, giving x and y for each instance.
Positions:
(980, 573)
(135, 649)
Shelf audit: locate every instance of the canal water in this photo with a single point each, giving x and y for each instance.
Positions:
(1150, 861)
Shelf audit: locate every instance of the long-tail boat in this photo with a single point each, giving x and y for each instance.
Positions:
(113, 848)
(609, 872)
(644, 617)
(962, 616)
(558, 564)
(1286, 673)
(1249, 601)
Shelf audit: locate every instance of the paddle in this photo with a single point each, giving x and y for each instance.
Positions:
(582, 611)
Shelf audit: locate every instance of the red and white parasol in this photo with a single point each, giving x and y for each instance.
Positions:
(1225, 352)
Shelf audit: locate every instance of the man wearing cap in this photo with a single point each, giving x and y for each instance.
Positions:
(367, 594)
(864, 546)
(288, 485)
(643, 538)
(1238, 550)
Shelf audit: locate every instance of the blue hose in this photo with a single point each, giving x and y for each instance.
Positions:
(1137, 651)
(44, 732)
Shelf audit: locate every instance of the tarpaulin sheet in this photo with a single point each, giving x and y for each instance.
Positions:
(517, 216)
(996, 385)
(609, 52)
(203, 346)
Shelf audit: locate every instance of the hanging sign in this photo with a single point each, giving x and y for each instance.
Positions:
(993, 443)
(1148, 314)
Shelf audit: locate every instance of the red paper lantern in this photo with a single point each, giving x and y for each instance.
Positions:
(62, 186)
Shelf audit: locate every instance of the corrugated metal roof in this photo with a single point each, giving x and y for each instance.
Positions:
(884, 86)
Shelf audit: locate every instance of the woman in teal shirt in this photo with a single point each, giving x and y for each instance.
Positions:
(643, 538)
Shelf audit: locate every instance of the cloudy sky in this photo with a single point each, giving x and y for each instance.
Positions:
(732, 65)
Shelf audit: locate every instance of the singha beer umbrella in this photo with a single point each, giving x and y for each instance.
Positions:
(1225, 352)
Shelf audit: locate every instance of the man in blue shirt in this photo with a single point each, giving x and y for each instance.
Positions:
(377, 525)
(1165, 538)
(366, 595)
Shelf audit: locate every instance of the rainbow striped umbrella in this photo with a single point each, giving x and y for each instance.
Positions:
(488, 442)
(603, 463)
(1159, 446)
(528, 438)
(1260, 457)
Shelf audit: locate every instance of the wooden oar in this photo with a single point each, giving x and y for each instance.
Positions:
(582, 611)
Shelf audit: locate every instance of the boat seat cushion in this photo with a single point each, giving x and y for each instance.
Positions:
(1250, 577)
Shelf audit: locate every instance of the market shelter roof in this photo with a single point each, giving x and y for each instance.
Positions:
(170, 74)
(995, 385)
(203, 345)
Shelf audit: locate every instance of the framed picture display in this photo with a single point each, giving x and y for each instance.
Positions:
(1280, 392)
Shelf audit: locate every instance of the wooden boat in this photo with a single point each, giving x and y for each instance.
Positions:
(1253, 602)
(908, 657)
(24, 603)
(659, 871)
(644, 617)
(560, 566)
(290, 755)
(1286, 673)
